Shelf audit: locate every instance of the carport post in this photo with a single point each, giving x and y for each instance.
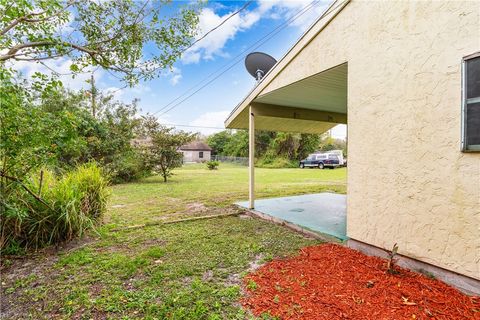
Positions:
(251, 157)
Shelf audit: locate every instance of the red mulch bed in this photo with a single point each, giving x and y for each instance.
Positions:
(334, 282)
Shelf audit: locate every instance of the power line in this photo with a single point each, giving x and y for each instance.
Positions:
(228, 63)
(218, 26)
(263, 40)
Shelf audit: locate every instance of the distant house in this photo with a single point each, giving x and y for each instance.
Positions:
(196, 151)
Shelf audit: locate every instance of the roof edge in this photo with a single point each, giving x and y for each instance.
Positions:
(303, 41)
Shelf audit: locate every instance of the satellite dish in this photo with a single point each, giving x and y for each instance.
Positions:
(258, 64)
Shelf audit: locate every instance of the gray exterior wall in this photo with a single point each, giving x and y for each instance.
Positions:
(194, 156)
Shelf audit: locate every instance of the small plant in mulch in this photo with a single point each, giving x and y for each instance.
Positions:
(212, 165)
(391, 262)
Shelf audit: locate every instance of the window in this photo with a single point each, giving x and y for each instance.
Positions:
(471, 103)
(200, 154)
(321, 157)
(332, 157)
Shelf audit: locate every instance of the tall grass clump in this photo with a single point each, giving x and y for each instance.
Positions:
(60, 208)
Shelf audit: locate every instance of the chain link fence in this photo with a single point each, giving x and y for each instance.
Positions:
(237, 160)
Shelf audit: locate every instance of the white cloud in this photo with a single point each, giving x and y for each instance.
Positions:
(61, 67)
(115, 91)
(210, 119)
(339, 131)
(175, 79)
(286, 9)
(176, 76)
(212, 45)
(141, 89)
(214, 42)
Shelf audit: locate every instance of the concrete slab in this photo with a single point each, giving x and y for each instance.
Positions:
(321, 212)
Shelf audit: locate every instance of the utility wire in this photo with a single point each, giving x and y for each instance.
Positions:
(218, 26)
(228, 63)
(269, 36)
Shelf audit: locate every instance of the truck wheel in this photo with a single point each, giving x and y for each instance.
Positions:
(302, 166)
(321, 166)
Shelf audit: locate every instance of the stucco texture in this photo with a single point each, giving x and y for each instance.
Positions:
(408, 181)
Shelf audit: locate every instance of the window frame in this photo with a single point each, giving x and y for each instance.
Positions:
(200, 154)
(464, 145)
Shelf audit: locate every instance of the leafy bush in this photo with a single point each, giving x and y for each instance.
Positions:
(54, 209)
(212, 164)
(127, 167)
(276, 163)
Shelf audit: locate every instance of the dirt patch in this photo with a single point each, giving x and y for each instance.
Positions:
(235, 279)
(196, 207)
(34, 269)
(334, 282)
(207, 276)
(96, 289)
(256, 263)
(154, 243)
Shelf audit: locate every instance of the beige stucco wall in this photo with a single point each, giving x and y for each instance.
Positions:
(408, 182)
(194, 156)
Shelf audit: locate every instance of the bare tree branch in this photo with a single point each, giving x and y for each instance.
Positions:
(14, 179)
(12, 52)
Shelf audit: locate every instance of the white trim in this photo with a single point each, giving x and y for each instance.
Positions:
(465, 101)
(251, 158)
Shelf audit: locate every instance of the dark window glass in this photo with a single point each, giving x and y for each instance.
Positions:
(200, 154)
(473, 78)
(473, 124)
(471, 121)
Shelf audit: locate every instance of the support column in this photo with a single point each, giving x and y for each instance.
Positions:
(251, 157)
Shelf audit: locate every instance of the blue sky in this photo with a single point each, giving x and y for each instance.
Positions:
(210, 106)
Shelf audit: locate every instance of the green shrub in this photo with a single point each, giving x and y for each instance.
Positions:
(276, 163)
(126, 168)
(212, 164)
(70, 205)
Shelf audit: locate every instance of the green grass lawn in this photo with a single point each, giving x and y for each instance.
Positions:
(189, 270)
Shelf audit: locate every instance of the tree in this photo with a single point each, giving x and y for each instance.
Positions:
(329, 143)
(162, 153)
(271, 145)
(308, 143)
(108, 34)
(27, 134)
(218, 141)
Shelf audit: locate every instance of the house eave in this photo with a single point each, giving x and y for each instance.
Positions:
(303, 41)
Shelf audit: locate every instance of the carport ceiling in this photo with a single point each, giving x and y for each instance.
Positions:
(325, 91)
(319, 96)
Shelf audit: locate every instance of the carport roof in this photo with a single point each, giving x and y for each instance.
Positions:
(312, 105)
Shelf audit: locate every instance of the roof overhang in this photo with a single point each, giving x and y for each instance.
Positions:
(312, 105)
